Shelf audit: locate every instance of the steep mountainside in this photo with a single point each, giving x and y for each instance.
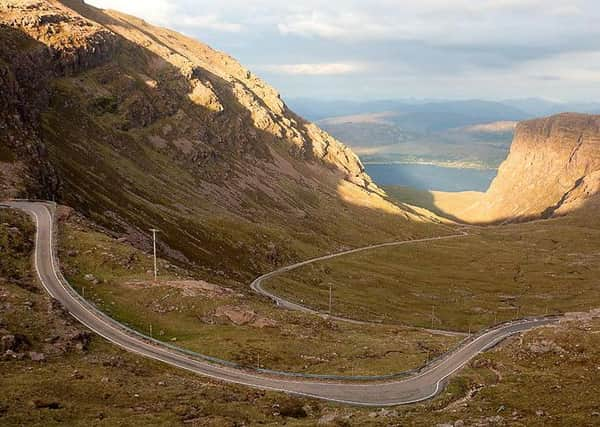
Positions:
(553, 168)
(137, 126)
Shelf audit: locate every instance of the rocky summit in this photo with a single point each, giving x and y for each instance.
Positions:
(137, 126)
(553, 168)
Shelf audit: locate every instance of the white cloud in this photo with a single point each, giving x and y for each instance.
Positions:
(473, 48)
(169, 13)
(316, 69)
(311, 25)
(339, 26)
(157, 12)
(567, 10)
(210, 22)
(464, 22)
(572, 67)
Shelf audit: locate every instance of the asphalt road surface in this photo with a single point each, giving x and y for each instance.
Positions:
(421, 386)
(257, 284)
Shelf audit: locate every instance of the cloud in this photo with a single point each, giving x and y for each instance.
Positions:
(339, 26)
(443, 23)
(582, 67)
(170, 13)
(311, 25)
(210, 22)
(567, 10)
(325, 69)
(156, 11)
(391, 48)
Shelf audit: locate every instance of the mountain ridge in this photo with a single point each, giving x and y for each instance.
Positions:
(553, 169)
(136, 126)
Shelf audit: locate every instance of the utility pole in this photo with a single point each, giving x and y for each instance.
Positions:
(330, 298)
(154, 231)
(432, 315)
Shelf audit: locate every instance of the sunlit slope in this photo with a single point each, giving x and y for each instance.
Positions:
(138, 126)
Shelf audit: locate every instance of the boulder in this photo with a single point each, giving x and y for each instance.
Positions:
(16, 342)
(91, 278)
(37, 357)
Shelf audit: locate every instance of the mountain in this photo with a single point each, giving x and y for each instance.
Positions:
(443, 114)
(378, 140)
(409, 131)
(553, 169)
(539, 107)
(137, 126)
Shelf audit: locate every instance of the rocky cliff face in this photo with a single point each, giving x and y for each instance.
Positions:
(139, 126)
(60, 42)
(553, 168)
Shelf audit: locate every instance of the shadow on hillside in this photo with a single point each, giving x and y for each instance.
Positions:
(421, 198)
(458, 207)
(228, 197)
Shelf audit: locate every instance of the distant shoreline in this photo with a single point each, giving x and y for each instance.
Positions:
(453, 165)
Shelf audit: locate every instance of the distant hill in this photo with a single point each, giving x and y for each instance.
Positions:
(439, 132)
(540, 107)
(453, 113)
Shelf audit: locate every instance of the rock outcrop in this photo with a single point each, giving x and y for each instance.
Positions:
(61, 42)
(135, 125)
(36, 48)
(553, 168)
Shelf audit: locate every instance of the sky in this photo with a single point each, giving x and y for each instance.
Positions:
(397, 49)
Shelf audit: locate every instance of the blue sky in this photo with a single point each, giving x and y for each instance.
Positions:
(353, 49)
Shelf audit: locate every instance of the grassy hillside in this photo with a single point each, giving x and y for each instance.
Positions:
(492, 275)
(544, 378)
(226, 319)
(451, 205)
(220, 223)
(137, 126)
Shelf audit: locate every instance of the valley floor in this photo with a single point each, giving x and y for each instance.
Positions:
(493, 275)
(227, 320)
(56, 373)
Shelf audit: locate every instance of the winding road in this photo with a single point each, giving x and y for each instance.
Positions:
(421, 386)
(257, 284)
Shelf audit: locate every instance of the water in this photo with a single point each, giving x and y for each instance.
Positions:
(428, 177)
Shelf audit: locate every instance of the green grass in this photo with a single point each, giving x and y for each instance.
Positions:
(15, 244)
(298, 342)
(496, 274)
(412, 196)
(546, 377)
(262, 218)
